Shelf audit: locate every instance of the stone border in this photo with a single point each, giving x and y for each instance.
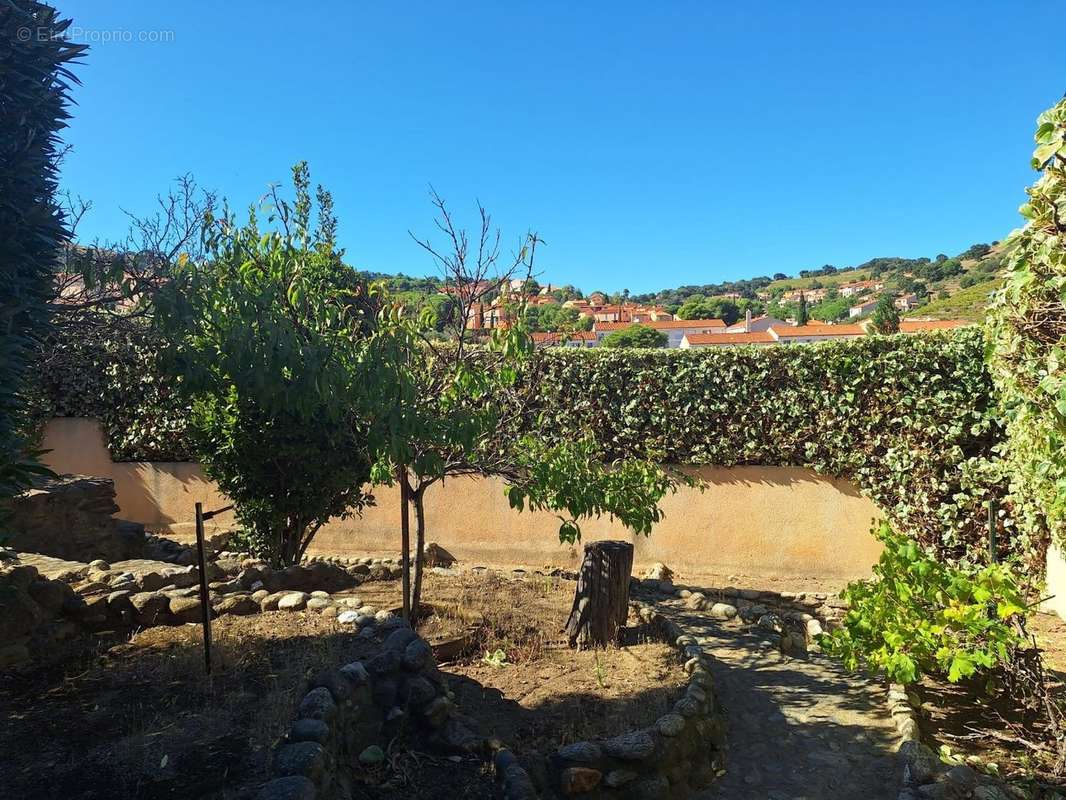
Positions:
(348, 714)
(681, 752)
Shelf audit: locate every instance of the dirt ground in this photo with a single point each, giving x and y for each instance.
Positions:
(139, 719)
(969, 725)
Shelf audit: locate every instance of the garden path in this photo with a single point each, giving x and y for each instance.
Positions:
(799, 728)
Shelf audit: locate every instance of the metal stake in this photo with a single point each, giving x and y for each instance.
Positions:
(205, 601)
(992, 550)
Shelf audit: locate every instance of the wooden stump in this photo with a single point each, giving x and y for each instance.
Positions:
(601, 602)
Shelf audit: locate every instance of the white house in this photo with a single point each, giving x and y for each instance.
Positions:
(675, 329)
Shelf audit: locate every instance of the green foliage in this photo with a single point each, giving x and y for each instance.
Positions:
(35, 82)
(885, 319)
(268, 342)
(636, 335)
(920, 616)
(571, 476)
(910, 419)
(803, 312)
(1027, 337)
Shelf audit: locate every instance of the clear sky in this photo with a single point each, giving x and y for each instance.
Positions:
(650, 144)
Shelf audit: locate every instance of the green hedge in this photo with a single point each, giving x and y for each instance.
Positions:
(909, 419)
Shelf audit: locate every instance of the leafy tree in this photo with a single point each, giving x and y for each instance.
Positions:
(802, 315)
(635, 336)
(465, 407)
(885, 318)
(698, 307)
(270, 342)
(35, 80)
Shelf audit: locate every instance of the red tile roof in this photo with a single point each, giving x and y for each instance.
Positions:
(663, 324)
(818, 330)
(712, 339)
(915, 325)
(584, 336)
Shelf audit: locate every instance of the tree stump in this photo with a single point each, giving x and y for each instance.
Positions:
(601, 602)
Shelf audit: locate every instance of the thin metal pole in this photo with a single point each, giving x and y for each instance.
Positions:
(992, 549)
(205, 601)
(405, 541)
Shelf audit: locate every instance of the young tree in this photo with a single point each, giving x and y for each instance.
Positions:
(885, 318)
(269, 340)
(802, 316)
(35, 80)
(635, 336)
(468, 405)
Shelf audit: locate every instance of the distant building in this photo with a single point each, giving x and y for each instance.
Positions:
(862, 308)
(752, 324)
(907, 302)
(807, 334)
(696, 340)
(675, 329)
(576, 339)
(860, 287)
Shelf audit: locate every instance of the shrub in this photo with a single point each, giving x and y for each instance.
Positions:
(635, 336)
(267, 341)
(34, 87)
(920, 616)
(1027, 338)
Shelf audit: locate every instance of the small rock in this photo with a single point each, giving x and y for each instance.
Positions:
(670, 725)
(632, 746)
(722, 611)
(292, 787)
(416, 654)
(371, 755)
(347, 617)
(309, 730)
(356, 673)
(620, 777)
(99, 564)
(317, 704)
(581, 752)
(320, 593)
(319, 604)
(963, 778)
(658, 572)
(300, 758)
(575, 780)
(238, 605)
(293, 601)
(920, 764)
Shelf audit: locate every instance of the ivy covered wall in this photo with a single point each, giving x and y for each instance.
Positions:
(909, 419)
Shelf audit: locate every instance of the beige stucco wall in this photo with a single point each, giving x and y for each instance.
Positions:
(757, 521)
(1056, 582)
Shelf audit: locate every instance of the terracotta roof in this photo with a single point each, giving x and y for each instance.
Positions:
(663, 324)
(553, 336)
(712, 339)
(818, 330)
(914, 325)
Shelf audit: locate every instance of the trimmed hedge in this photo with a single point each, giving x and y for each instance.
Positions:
(909, 419)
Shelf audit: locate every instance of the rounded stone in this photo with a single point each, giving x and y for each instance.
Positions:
(309, 730)
(291, 787)
(317, 704)
(293, 601)
(582, 752)
(300, 758)
(347, 617)
(320, 593)
(99, 564)
(416, 654)
(670, 725)
(319, 603)
(632, 746)
(723, 611)
(371, 755)
(576, 780)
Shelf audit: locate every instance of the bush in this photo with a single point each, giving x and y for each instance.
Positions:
(1028, 338)
(635, 336)
(34, 84)
(921, 617)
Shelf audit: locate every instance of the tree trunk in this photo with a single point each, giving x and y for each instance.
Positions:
(601, 602)
(420, 550)
(405, 539)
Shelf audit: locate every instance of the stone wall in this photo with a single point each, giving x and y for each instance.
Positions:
(71, 517)
(36, 614)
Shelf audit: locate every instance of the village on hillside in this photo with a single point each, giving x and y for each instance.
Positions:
(596, 317)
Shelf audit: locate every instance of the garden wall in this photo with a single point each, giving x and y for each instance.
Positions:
(784, 522)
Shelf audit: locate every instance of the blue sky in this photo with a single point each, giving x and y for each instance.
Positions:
(650, 145)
